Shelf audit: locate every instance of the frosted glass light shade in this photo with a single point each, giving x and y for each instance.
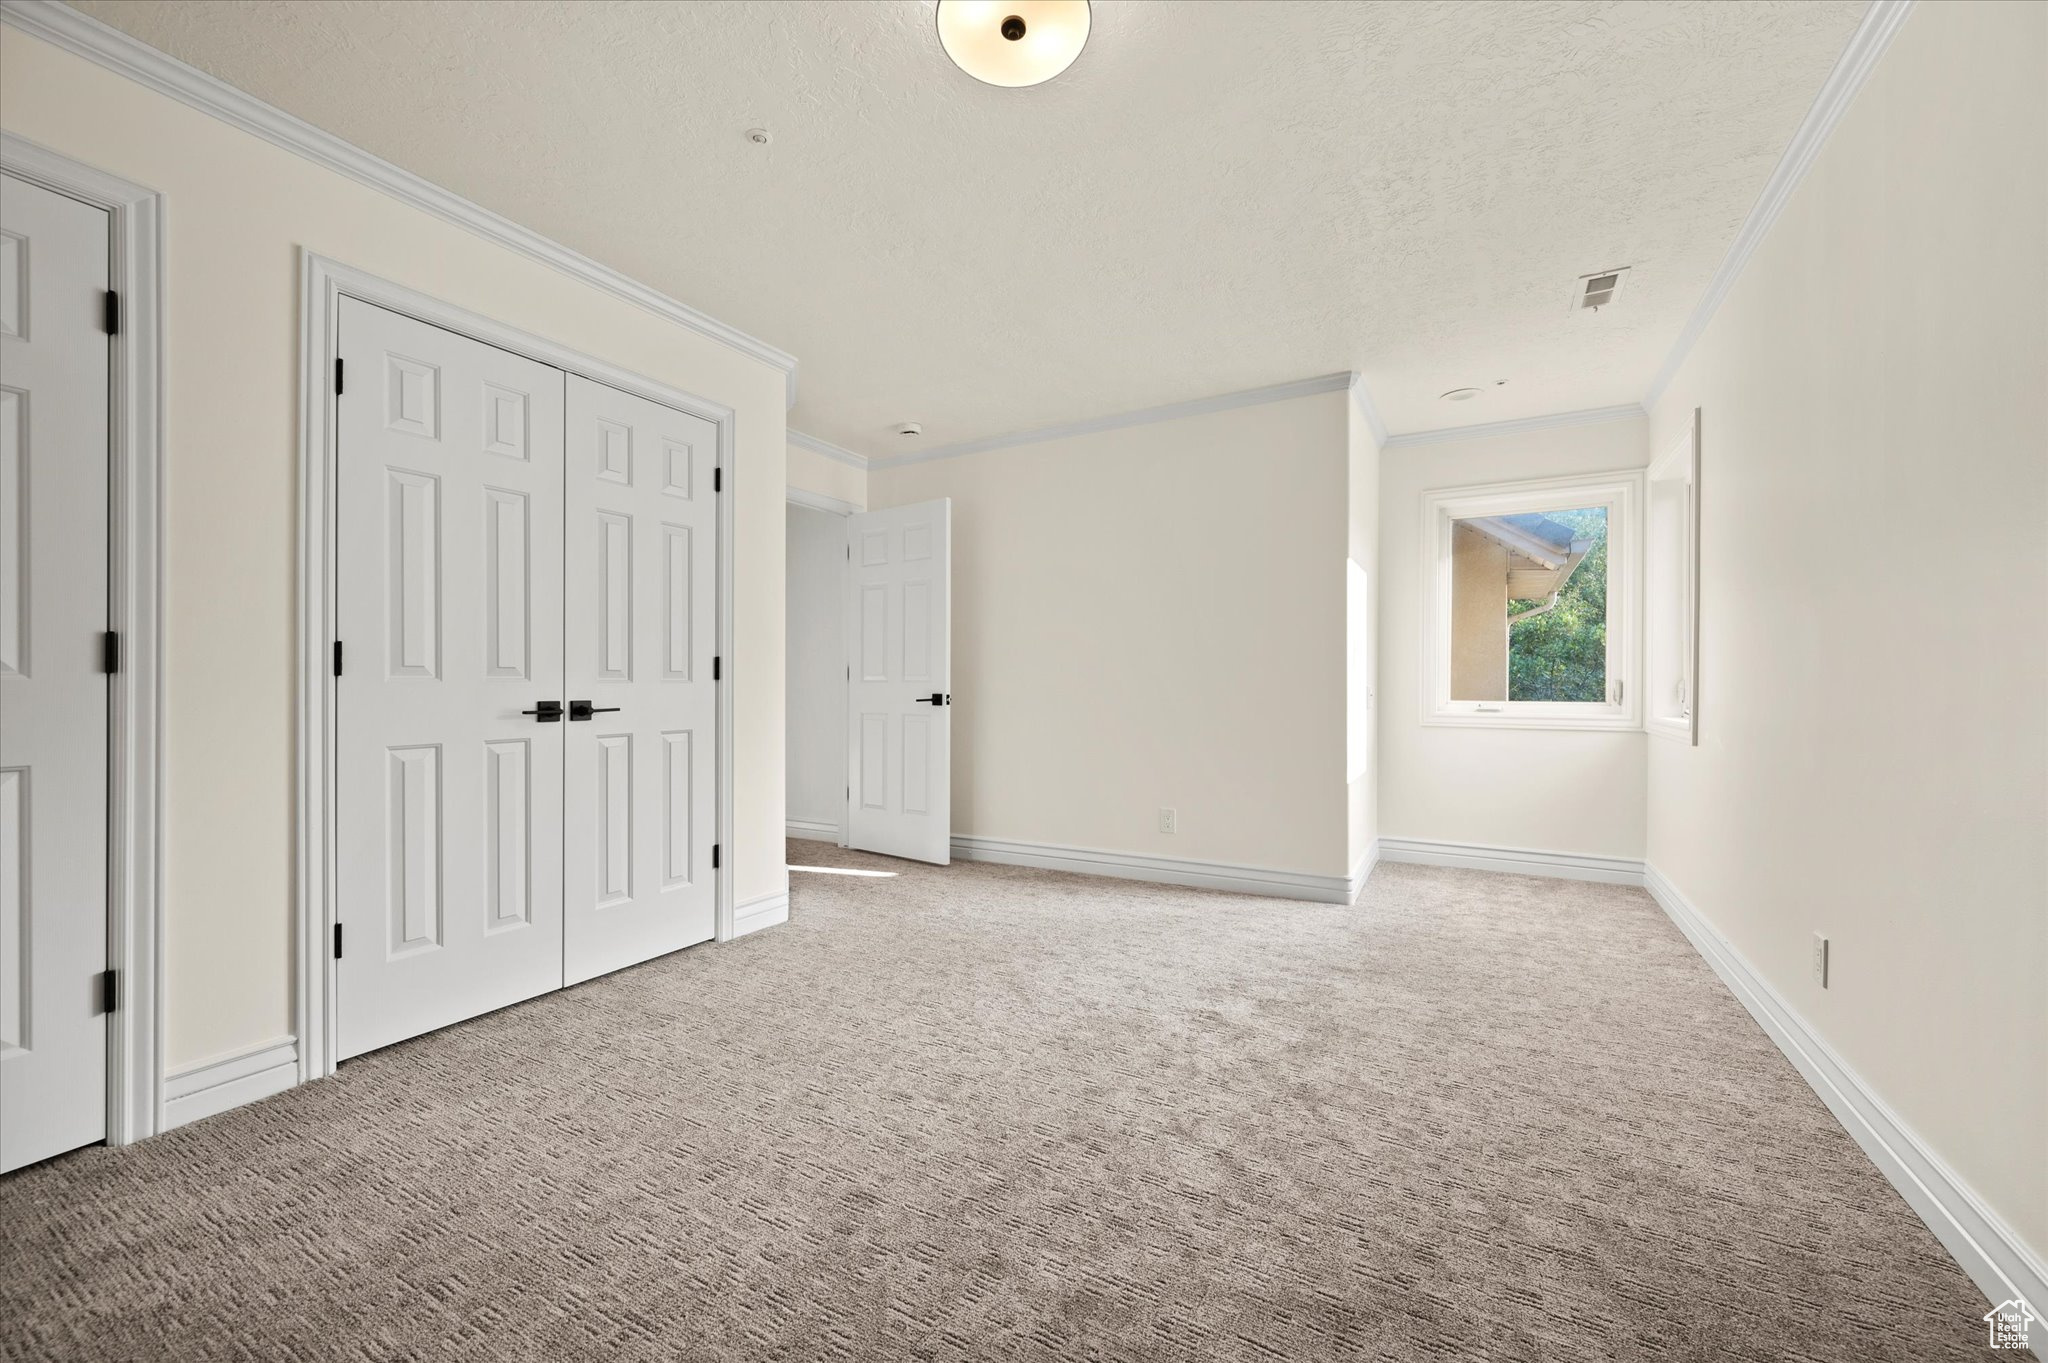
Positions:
(1013, 42)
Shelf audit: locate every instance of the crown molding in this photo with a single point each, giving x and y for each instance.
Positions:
(1172, 411)
(1591, 416)
(828, 449)
(1880, 25)
(83, 36)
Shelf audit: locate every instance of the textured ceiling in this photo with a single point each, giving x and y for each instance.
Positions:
(1215, 197)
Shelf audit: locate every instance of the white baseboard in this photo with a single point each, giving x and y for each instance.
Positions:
(1363, 871)
(1207, 875)
(1987, 1249)
(814, 831)
(764, 912)
(229, 1081)
(1516, 860)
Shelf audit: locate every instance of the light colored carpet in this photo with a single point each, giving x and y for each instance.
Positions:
(986, 1113)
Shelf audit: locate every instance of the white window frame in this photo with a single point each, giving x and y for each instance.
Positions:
(1680, 464)
(1622, 494)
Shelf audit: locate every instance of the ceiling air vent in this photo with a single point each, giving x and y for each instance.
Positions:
(1598, 290)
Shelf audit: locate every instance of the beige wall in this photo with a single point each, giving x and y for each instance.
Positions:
(1153, 616)
(814, 472)
(237, 210)
(1874, 746)
(1554, 791)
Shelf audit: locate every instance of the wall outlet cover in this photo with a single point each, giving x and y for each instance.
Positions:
(1820, 960)
(1168, 821)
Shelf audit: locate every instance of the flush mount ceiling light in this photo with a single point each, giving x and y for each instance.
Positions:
(1460, 395)
(1013, 42)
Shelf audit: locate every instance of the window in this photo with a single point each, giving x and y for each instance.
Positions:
(1532, 589)
(1672, 590)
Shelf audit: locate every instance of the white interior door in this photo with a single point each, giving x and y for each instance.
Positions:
(448, 785)
(642, 732)
(899, 671)
(53, 687)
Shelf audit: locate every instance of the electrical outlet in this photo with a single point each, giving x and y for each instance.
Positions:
(1168, 821)
(1820, 960)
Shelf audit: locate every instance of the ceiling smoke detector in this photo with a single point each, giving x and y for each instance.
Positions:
(1597, 290)
(1460, 395)
(909, 428)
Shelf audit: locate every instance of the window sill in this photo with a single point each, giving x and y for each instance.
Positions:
(1608, 721)
(1673, 730)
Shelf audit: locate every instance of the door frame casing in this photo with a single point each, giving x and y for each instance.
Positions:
(323, 284)
(135, 408)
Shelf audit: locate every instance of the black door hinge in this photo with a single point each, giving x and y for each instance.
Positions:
(714, 856)
(110, 992)
(111, 317)
(717, 667)
(337, 941)
(718, 480)
(337, 657)
(337, 376)
(110, 653)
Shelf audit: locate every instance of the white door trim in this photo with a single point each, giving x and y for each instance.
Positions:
(818, 501)
(135, 581)
(323, 283)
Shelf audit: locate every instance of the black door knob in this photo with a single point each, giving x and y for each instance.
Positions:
(583, 709)
(935, 698)
(545, 712)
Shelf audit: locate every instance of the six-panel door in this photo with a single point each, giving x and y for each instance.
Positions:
(899, 679)
(53, 688)
(448, 798)
(642, 624)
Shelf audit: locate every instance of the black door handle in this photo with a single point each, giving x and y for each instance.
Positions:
(935, 698)
(545, 711)
(583, 709)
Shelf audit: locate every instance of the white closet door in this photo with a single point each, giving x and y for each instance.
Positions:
(899, 637)
(641, 583)
(53, 689)
(448, 815)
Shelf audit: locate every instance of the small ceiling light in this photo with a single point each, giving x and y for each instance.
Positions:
(1460, 395)
(1013, 42)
